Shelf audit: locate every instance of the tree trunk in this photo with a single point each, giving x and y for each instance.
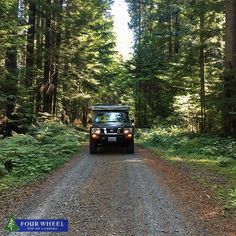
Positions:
(170, 38)
(11, 69)
(11, 79)
(138, 83)
(52, 46)
(177, 32)
(30, 46)
(39, 57)
(47, 101)
(229, 108)
(202, 71)
(58, 19)
(85, 114)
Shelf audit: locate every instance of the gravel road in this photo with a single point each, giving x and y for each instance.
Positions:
(110, 193)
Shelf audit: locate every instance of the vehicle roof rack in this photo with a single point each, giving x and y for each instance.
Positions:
(109, 107)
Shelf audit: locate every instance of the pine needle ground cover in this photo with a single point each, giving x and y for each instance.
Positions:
(25, 158)
(213, 157)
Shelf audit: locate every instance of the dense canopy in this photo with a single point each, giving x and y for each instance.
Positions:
(58, 58)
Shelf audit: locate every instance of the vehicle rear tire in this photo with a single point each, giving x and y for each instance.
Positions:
(130, 147)
(93, 147)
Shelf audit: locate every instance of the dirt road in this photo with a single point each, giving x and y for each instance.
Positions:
(111, 193)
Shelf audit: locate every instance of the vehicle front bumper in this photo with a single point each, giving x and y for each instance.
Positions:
(106, 139)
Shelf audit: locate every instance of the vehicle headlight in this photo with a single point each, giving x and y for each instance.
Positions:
(128, 130)
(96, 131)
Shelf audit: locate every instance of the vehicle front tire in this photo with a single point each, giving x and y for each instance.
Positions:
(93, 147)
(130, 147)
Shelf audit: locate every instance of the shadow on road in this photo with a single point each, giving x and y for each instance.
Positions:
(111, 149)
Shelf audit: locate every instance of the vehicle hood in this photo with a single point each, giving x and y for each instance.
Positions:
(111, 125)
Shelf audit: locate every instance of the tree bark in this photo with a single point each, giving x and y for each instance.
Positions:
(47, 101)
(229, 107)
(177, 32)
(39, 57)
(11, 79)
(138, 83)
(30, 46)
(58, 30)
(202, 70)
(11, 68)
(170, 38)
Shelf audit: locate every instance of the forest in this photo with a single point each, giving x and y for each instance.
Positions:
(184, 63)
(58, 57)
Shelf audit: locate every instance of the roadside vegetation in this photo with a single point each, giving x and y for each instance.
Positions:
(28, 157)
(213, 157)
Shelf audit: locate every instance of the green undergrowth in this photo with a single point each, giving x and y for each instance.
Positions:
(25, 158)
(214, 158)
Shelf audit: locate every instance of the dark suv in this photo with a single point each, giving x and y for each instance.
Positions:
(110, 125)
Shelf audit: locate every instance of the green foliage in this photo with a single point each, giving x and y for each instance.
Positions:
(84, 66)
(88, 67)
(180, 141)
(232, 193)
(48, 146)
(166, 66)
(3, 170)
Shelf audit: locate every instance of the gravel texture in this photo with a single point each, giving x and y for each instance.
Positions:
(113, 193)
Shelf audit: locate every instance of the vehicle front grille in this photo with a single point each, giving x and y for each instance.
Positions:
(112, 130)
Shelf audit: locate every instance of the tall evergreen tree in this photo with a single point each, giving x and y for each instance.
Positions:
(229, 108)
(10, 77)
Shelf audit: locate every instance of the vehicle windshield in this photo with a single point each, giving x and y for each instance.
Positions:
(104, 117)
